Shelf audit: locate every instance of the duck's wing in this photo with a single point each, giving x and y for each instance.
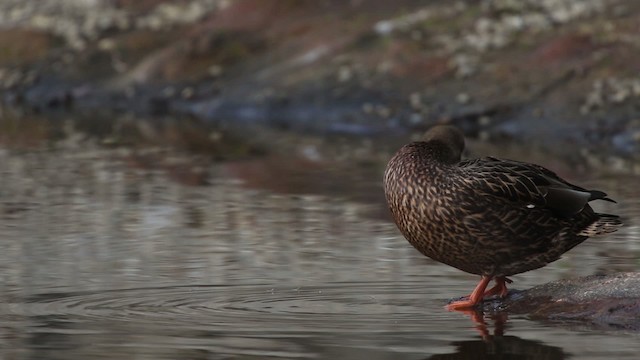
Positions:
(527, 184)
(553, 178)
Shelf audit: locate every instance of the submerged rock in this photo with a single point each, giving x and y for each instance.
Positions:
(602, 301)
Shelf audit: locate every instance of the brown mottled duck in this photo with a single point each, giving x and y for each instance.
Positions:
(490, 217)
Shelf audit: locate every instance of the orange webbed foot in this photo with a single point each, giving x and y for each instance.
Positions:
(474, 299)
(479, 293)
(462, 305)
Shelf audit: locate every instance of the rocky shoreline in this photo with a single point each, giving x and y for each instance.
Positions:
(560, 75)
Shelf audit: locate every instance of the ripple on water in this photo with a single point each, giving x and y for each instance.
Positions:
(327, 308)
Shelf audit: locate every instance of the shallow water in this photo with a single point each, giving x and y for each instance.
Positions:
(106, 258)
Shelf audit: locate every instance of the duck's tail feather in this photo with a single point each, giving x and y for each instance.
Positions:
(599, 195)
(606, 223)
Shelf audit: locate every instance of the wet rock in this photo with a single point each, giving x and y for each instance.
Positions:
(602, 301)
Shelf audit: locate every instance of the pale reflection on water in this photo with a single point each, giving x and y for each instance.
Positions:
(104, 259)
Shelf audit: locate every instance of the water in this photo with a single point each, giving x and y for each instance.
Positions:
(107, 256)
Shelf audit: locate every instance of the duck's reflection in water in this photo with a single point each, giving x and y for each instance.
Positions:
(499, 320)
(498, 345)
(502, 347)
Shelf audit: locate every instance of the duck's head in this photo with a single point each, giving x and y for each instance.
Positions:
(449, 138)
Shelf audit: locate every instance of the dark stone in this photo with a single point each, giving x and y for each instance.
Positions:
(602, 301)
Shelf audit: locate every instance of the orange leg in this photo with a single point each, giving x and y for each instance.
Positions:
(474, 299)
(500, 288)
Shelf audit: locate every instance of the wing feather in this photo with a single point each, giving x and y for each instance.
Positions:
(529, 184)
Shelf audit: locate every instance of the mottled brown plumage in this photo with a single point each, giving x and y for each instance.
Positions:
(487, 216)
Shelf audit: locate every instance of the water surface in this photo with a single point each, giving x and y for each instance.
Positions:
(104, 257)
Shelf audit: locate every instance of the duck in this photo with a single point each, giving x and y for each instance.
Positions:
(487, 216)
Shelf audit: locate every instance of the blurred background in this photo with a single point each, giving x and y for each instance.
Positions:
(202, 178)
